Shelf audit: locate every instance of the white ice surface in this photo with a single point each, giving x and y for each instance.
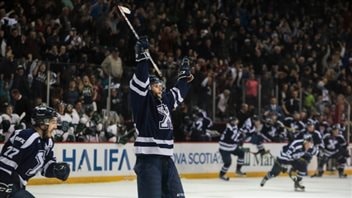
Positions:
(325, 187)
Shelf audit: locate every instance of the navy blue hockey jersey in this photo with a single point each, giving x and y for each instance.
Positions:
(25, 153)
(333, 144)
(151, 115)
(231, 138)
(316, 136)
(295, 150)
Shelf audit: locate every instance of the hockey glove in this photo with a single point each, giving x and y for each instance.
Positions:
(262, 152)
(303, 161)
(61, 171)
(123, 139)
(307, 157)
(141, 49)
(185, 70)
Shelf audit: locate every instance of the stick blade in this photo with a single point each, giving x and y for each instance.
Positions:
(124, 9)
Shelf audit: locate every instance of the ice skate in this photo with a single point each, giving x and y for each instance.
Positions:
(298, 186)
(265, 178)
(342, 174)
(318, 174)
(240, 173)
(223, 177)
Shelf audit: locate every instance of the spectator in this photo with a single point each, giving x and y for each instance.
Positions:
(13, 118)
(3, 44)
(243, 114)
(274, 109)
(20, 81)
(87, 93)
(39, 85)
(16, 43)
(117, 101)
(309, 100)
(4, 90)
(98, 90)
(222, 105)
(251, 87)
(112, 65)
(21, 105)
(71, 95)
(291, 104)
(34, 43)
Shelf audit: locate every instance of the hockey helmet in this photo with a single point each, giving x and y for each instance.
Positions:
(335, 128)
(310, 122)
(42, 115)
(255, 118)
(154, 80)
(233, 120)
(308, 138)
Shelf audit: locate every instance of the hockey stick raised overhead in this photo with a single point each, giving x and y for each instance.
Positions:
(125, 11)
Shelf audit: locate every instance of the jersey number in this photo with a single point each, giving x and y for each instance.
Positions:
(11, 151)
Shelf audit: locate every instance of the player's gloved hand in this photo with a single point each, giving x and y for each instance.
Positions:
(262, 152)
(321, 152)
(305, 159)
(344, 152)
(61, 170)
(123, 139)
(185, 70)
(284, 168)
(5, 189)
(141, 49)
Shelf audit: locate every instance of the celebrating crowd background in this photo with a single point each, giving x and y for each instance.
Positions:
(245, 55)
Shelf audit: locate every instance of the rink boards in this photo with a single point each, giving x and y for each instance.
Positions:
(102, 162)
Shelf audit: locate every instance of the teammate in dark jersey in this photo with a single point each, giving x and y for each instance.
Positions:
(28, 152)
(230, 143)
(335, 147)
(316, 136)
(296, 154)
(157, 175)
(251, 130)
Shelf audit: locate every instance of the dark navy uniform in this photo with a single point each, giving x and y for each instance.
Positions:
(296, 155)
(152, 116)
(335, 147)
(200, 126)
(252, 132)
(157, 175)
(230, 143)
(314, 134)
(294, 127)
(28, 152)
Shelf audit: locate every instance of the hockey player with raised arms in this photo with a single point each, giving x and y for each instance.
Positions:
(156, 172)
(29, 151)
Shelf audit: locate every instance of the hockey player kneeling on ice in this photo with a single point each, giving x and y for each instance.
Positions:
(335, 147)
(297, 155)
(29, 151)
(230, 144)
